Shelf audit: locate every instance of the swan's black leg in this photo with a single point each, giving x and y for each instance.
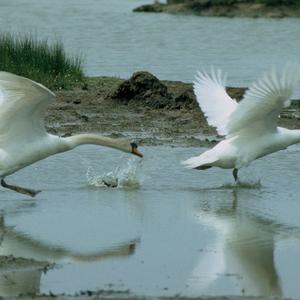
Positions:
(235, 174)
(19, 189)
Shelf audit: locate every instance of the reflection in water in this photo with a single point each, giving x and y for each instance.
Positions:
(250, 251)
(243, 251)
(198, 238)
(23, 280)
(23, 276)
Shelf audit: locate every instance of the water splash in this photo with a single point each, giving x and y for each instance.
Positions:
(124, 176)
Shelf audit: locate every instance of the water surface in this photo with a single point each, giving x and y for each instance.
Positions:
(116, 41)
(165, 231)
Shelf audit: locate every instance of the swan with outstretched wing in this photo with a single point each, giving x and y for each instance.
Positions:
(23, 137)
(250, 127)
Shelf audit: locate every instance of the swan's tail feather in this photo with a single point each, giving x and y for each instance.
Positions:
(201, 162)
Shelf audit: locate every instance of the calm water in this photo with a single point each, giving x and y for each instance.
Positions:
(116, 41)
(165, 231)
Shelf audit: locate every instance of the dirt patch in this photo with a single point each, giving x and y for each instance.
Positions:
(143, 108)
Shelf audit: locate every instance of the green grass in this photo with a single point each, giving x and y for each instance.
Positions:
(40, 61)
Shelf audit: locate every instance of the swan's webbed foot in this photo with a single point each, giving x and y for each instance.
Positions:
(235, 174)
(19, 189)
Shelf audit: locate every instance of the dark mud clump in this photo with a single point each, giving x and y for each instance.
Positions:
(143, 88)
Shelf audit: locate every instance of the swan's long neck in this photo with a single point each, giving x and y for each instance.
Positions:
(94, 139)
(53, 145)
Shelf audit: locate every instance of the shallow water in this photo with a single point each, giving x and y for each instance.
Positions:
(113, 39)
(165, 231)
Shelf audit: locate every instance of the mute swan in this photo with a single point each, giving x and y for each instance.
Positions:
(250, 127)
(23, 138)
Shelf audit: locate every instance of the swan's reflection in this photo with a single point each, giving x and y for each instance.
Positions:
(20, 275)
(249, 251)
(243, 251)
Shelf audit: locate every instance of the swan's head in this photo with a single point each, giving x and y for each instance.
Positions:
(134, 150)
(127, 146)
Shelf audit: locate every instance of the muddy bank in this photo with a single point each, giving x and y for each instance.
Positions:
(224, 8)
(20, 279)
(143, 107)
(114, 295)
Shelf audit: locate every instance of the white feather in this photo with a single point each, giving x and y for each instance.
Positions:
(23, 103)
(264, 101)
(251, 125)
(213, 99)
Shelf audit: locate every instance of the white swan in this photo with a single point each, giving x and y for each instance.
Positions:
(23, 138)
(250, 127)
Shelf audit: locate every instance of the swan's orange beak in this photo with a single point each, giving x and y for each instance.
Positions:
(135, 151)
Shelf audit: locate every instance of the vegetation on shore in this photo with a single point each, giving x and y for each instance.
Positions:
(40, 61)
(227, 8)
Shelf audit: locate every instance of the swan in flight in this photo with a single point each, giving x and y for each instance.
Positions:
(23, 137)
(250, 127)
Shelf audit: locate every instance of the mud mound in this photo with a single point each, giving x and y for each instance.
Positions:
(143, 88)
(146, 89)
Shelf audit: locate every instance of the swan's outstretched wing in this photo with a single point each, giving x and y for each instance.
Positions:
(213, 99)
(264, 100)
(23, 103)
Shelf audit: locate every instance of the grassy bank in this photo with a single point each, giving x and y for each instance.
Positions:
(40, 61)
